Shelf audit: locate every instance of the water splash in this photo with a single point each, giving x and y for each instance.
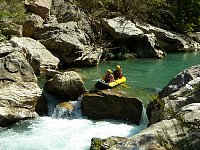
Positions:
(61, 112)
(70, 133)
(47, 133)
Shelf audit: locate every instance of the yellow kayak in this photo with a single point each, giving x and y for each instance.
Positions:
(103, 85)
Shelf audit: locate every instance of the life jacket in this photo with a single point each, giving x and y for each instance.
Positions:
(108, 78)
(117, 74)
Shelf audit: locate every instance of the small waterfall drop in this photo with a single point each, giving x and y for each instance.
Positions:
(62, 112)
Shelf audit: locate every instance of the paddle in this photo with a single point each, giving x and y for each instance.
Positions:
(124, 85)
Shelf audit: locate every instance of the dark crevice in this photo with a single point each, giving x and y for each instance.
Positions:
(4, 54)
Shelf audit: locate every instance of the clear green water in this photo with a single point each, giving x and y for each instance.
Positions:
(144, 76)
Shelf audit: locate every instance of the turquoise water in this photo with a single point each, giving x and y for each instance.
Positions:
(144, 76)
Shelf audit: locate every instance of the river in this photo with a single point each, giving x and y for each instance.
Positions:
(144, 78)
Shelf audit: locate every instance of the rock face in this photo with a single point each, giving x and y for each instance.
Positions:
(68, 84)
(41, 107)
(12, 29)
(125, 32)
(121, 28)
(19, 91)
(180, 91)
(66, 11)
(180, 80)
(181, 136)
(144, 40)
(31, 24)
(69, 43)
(18, 101)
(168, 41)
(14, 66)
(148, 47)
(111, 105)
(37, 55)
(40, 7)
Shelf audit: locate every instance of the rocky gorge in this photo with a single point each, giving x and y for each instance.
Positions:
(57, 34)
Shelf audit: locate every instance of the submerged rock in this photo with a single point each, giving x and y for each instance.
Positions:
(110, 104)
(63, 110)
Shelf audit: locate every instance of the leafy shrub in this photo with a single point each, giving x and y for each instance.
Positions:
(168, 14)
(10, 11)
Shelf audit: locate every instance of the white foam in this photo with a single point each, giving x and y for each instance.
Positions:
(47, 133)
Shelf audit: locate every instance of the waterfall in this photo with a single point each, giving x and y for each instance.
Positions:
(61, 112)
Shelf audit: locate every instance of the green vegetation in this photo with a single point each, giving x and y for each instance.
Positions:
(186, 12)
(96, 144)
(10, 10)
(186, 131)
(181, 15)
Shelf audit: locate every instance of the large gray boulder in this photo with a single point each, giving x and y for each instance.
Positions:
(68, 84)
(120, 28)
(148, 47)
(69, 43)
(169, 133)
(180, 80)
(182, 90)
(19, 91)
(65, 11)
(14, 66)
(37, 55)
(18, 101)
(109, 104)
(168, 41)
(125, 33)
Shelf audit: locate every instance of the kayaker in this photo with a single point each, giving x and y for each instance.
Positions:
(109, 76)
(118, 72)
